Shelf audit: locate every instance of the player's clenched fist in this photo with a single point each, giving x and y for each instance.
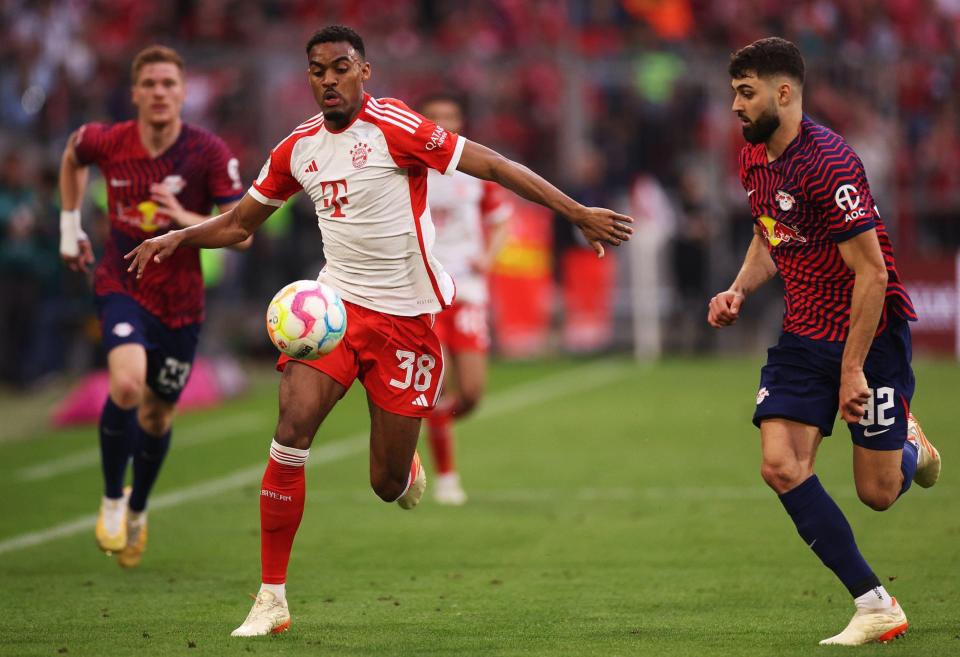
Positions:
(724, 308)
(854, 395)
(156, 249)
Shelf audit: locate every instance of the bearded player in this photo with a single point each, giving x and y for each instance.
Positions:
(161, 173)
(846, 337)
(363, 161)
(470, 217)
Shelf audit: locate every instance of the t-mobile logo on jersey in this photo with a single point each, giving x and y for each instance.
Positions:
(336, 200)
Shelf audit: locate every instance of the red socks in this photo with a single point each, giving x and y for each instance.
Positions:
(441, 440)
(282, 495)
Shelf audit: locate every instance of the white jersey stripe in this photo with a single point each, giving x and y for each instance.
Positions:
(260, 198)
(389, 111)
(315, 124)
(410, 115)
(391, 121)
(313, 120)
(457, 153)
(436, 397)
(301, 130)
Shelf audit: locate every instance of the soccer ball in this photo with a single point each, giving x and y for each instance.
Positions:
(306, 319)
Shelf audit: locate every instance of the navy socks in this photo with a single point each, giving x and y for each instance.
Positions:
(116, 425)
(823, 527)
(908, 466)
(148, 457)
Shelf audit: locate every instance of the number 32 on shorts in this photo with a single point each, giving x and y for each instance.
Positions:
(417, 370)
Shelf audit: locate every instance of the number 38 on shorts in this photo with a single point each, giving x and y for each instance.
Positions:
(397, 360)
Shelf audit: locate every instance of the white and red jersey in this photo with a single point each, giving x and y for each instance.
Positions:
(369, 184)
(461, 207)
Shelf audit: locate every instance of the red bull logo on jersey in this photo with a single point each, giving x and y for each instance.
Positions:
(778, 233)
(144, 215)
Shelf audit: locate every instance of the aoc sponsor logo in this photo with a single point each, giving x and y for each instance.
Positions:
(847, 199)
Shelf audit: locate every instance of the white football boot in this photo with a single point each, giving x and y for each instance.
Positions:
(414, 493)
(928, 459)
(130, 556)
(447, 490)
(111, 529)
(872, 626)
(268, 616)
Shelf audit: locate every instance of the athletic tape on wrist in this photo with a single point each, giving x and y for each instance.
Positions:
(71, 234)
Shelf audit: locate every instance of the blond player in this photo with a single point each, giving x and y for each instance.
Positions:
(363, 161)
(470, 216)
(161, 173)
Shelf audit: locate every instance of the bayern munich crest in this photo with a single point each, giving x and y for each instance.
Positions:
(785, 200)
(359, 154)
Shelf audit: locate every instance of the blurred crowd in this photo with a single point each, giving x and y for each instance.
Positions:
(599, 95)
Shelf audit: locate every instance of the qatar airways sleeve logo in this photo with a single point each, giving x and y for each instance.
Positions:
(437, 138)
(847, 199)
(336, 200)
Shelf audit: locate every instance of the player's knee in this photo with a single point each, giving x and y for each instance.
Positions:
(126, 391)
(388, 486)
(155, 420)
(878, 498)
(291, 434)
(783, 476)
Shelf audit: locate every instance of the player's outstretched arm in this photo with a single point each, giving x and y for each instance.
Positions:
(863, 255)
(599, 225)
(75, 246)
(757, 269)
(168, 204)
(231, 227)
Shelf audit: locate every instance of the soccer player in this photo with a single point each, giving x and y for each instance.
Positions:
(160, 173)
(470, 217)
(846, 338)
(363, 161)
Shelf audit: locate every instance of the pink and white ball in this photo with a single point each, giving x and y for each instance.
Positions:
(306, 319)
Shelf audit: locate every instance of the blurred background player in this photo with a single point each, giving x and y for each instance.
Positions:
(363, 161)
(470, 216)
(846, 336)
(161, 173)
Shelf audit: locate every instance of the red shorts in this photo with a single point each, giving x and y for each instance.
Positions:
(463, 327)
(397, 359)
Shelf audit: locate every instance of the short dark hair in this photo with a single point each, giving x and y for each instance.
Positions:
(336, 34)
(154, 55)
(444, 97)
(767, 57)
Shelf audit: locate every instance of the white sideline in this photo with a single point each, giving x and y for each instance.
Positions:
(201, 433)
(575, 380)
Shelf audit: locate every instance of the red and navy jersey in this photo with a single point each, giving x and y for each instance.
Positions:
(811, 198)
(198, 169)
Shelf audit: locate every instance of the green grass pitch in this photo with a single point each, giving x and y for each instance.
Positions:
(615, 509)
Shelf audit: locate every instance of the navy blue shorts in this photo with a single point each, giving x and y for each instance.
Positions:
(801, 382)
(170, 351)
